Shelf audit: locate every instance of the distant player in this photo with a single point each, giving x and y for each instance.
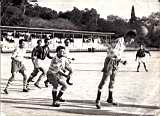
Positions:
(111, 65)
(17, 65)
(56, 74)
(140, 55)
(67, 43)
(37, 56)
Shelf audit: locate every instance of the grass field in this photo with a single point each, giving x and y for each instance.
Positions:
(138, 93)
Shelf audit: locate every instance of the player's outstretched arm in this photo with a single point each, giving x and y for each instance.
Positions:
(124, 62)
(28, 57)
(69, 69)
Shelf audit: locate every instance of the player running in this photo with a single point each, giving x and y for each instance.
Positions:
(56, 74)
(37, 56)
(17, 65)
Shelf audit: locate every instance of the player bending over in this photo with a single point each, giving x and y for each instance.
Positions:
(111, 65)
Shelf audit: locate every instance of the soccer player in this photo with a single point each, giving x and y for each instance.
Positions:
(140, 55)
(36, 55)
(67, 43)
(56, 74)
(111, 65)
(17, 65)
(45, 53)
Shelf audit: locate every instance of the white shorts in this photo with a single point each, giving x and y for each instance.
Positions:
(41, 63)
(141, 59)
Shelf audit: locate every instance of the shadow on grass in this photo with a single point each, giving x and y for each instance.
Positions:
(74, 106)
(90, 111)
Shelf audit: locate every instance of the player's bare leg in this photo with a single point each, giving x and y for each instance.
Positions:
(138, 66)
(145, 67)
(64, 87)
(24, 81)
(37, 82)
(100, 86)
(40, 78)
(30, 79)
(111, 84)
(8, 83)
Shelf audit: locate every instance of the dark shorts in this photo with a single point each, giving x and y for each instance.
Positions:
(53, 78)
(110, 64)
(17, 67)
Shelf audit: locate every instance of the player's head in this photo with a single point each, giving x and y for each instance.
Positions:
(39, 42)
(60, 51)
(46, 41)
(21, 43)
(130, 36)
(141, 46)
(67, 42)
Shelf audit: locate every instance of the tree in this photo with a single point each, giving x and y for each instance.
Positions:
(13, 17)
(76, 16)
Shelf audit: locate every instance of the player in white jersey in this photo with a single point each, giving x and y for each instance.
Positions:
(17, 65)
(67, 43)
(56, 74)
(111, 65)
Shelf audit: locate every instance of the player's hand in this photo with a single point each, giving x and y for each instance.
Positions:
(68, 81)
(125, 62)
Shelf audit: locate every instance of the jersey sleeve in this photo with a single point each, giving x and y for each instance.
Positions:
(33, 52)
(15, 53)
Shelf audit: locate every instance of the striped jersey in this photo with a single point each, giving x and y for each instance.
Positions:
(57, 64)
(37, 51)
(45, 52)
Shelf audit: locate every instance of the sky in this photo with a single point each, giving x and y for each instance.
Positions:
(120, 8)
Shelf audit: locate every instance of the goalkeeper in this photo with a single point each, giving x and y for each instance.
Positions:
(111, 63)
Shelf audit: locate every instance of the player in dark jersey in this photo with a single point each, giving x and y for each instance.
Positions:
(36, 55)
(41, 52)
(140, 55)
(46, 53)
(46, 50)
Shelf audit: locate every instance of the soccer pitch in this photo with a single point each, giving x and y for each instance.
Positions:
(138, 93)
